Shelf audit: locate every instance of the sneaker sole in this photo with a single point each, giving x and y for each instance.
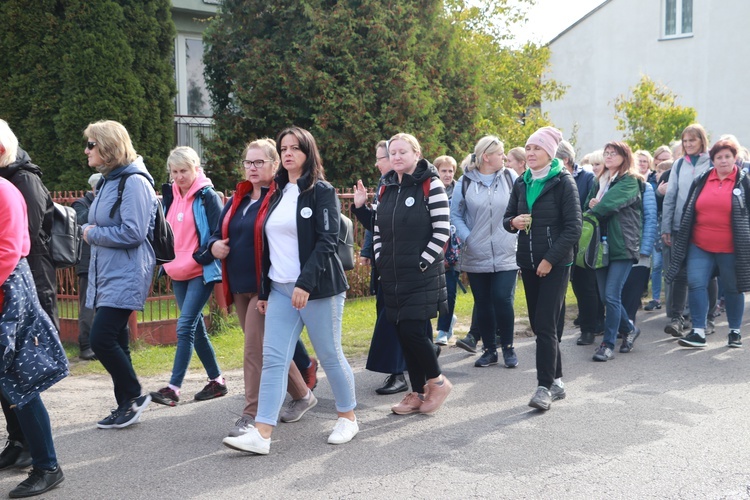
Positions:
(482, 365)
(674, 332)
(558, 397)
(313, 405)
(105, 426)
(735, 346)
(538, 405)
(137, 417)
(511, 366)
(466, 347)
(441, 342)
(687, 343)
(248, 449)
(212, 396)
(601, 359)
(158, 399)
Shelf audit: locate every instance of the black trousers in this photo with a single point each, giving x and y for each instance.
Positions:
(545, 298)
(419, 353)
(590, 307)
(85, 315)
(633, 290)
(109, 340)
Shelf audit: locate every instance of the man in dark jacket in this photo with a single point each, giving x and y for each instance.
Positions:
(85, 315)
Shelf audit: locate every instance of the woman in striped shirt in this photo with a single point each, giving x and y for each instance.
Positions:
(412, 224)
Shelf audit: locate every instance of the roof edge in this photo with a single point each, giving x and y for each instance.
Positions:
(579, 21)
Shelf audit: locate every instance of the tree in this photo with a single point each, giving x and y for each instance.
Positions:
(650, 115)
(354, 72)
(76, 62)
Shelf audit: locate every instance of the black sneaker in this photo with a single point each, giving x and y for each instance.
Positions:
(586, 338)
(653, 304)
(38, 482)
(509, 357)
(674, 328)
(212, 390)
(14, 455)
(467, 343)
(165, 396)
(629, 340)
(692, 339)
(132, 412)
(542, 399)
(488, 358)
(735, 340)
(108, 422)
(604, 353)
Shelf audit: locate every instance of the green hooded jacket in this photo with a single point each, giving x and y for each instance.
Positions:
(619, 211)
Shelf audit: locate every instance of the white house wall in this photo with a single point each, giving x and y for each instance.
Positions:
(605, 54)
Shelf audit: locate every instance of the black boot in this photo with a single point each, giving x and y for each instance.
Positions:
(393, 384)
(586, 338)
(38, 482)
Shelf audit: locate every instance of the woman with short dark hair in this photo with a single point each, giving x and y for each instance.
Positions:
(715, 232)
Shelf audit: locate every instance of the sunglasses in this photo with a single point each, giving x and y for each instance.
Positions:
(90, 145)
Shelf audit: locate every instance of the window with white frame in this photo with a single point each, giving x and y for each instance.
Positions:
(678, 18)
(192, 94)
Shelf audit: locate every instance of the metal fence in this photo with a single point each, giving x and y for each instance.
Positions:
(158, 321)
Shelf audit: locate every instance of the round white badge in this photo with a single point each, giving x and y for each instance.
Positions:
(180, 216)
(736, 192)
(306, 212)
(409, 201)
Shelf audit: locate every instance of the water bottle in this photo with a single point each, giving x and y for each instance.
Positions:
(605, 247)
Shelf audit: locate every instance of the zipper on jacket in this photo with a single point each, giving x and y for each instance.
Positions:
(393, 251)
(549, 237)
(326, 225)
(531, 248)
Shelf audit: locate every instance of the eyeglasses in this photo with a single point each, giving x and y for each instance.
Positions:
(610, 154)
(255, 163)
(90, 145)
(494, 141)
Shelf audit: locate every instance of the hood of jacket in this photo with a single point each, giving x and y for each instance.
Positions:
(199, 183)
(23, 162)
(132, 168)
(424, 170)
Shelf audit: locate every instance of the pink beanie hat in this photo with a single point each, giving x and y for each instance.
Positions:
(547, 138)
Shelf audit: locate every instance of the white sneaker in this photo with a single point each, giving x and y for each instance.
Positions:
(453, 322)
(442, 338)
(251, 441)
(241, 426)
(343, 431)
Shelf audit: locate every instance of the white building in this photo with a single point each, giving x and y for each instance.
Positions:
(699, 49)
(192, 105)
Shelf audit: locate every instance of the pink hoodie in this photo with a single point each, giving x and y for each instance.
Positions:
(180, 217)
(14, 231)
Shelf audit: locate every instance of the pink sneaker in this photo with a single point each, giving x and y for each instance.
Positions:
(410, 404)
(435, 395)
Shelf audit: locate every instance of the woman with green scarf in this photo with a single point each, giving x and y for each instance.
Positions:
(545, 210)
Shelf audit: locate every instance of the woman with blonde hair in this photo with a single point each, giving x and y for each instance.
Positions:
(684, 171)
(516, 160)
(192, 209)
(122, 260)
(616, 202)
(489, 253)
(237, 243)
(412, 224)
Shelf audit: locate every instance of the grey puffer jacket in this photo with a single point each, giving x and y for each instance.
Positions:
(680, 180)
(487, 247)
(122, 260)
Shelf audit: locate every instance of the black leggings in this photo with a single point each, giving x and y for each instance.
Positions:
(109, 340)
(419, 353)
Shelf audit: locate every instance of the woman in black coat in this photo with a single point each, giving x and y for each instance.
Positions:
(412, 224)
(545, 208)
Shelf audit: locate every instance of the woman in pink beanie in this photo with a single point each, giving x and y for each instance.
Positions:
(545, 210)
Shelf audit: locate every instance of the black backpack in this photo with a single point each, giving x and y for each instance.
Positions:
(66, 240)
(163, 240)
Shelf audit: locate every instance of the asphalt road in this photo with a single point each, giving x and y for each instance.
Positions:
(660, 422)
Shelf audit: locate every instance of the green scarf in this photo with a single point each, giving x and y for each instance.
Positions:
(534, 186)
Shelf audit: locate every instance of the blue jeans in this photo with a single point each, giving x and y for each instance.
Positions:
(700, 267)
(284, 323)
(451, 282)
(611, 279)
(192, 296)
(36, 428)
(493, 297)
(656, 267)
